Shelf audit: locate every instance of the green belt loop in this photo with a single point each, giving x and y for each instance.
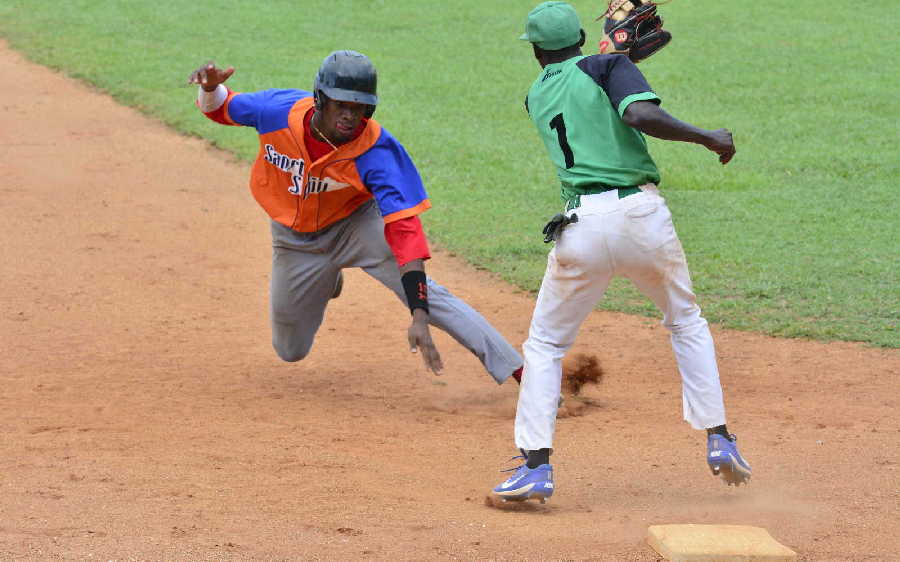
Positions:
(626, 191)
(575, 201)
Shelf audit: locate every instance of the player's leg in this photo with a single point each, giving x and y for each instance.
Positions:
(658, 267)
(577, 274)
(304, 278)
(452, 315)
(665, 279)
(364, 246)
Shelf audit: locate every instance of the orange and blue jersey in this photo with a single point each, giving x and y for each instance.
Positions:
(308, 195)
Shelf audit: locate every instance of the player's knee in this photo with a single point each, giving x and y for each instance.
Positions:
(686, 323)
(292, 356)
(291, 353)
(546, 346)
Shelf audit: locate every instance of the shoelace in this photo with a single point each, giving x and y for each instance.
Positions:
(515, 467)
(730, 437)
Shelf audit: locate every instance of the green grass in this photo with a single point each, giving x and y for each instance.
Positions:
(798, 236)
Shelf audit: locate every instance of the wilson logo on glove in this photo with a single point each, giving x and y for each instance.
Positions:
(633, 28)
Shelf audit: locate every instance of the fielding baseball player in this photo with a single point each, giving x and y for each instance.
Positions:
(341, 192)
(590, 112)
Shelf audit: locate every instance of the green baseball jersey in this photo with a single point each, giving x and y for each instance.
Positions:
(577, 107)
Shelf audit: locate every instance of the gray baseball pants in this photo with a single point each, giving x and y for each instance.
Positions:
(305, 267)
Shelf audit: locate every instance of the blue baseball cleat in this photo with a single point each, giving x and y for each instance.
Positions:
(527, 483)
(724, 460)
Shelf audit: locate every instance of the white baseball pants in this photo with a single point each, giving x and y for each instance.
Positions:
(631, 237)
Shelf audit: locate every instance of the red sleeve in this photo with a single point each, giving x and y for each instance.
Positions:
(407, 240)
(220, 115)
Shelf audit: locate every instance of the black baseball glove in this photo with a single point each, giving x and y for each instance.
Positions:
(554, 228)
(633, 28)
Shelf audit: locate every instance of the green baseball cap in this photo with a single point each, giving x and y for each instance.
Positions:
(552, 26)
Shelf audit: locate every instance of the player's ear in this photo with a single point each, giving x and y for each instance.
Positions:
(583, 38)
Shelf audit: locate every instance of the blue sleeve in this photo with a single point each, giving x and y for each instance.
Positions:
(389, 173)
(267, 110)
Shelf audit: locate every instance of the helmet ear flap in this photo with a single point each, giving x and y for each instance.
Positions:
(317, 98)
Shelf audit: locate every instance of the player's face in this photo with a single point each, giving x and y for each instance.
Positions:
(340, 118)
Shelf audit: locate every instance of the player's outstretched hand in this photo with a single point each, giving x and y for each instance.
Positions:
(420, 340)
(720, 142)
(209, 76)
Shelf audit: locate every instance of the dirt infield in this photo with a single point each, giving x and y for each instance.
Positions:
(144, 414)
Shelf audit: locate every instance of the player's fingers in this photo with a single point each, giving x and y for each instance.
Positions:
(195, 75)
(432, 358)
(439, 364)
(726, 156)
(227, 74)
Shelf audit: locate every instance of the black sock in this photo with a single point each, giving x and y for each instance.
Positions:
(537, 458)
(719, 429)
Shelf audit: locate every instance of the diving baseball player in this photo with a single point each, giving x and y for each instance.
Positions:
(342, 192)
(590, 112)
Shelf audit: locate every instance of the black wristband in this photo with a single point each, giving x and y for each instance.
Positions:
(416, 290)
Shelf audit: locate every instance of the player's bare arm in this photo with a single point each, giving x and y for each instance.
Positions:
(209, 76)
(419, 334)
(653, 120)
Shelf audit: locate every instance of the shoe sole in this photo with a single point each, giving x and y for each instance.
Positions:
(731, 472)
(518, 499)
(523, 494)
